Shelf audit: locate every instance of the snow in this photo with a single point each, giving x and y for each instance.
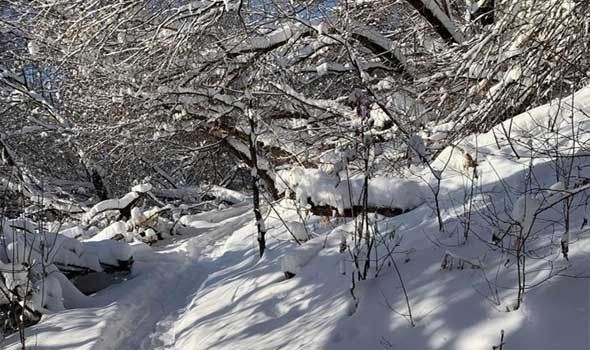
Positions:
(557, 188)
(474, 5)
(324, 189)
(50, 297)
(33, 48)
(43, 255)
(208, 289)
(322, 28)
(225, 194)
(279, 35)
(109, 232)
(383, 42)
(137, 219)
(525, 211)
(299, 230)
(322, 69)
(142, 188)
(59, 249)
(150, 235)
(534, 121)
(416, 148)
(295, 260)
(379, 117)
(110, 252)
(511, 76)
(110, 204)
(121, 316)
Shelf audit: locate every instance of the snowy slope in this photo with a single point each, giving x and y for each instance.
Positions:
(128, 315)
(211, 291)
(457, 309)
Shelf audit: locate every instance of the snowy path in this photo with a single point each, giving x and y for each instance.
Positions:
(170, 285)
(177, 281)
(140, 312)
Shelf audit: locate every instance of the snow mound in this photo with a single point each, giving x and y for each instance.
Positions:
(111, 231)
(298, 230)
(297, 258)
(323, 189)
(34, 263)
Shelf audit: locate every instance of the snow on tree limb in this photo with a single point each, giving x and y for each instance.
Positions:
(270, 41)
(323, 105)
(111, 204)
(382, 47)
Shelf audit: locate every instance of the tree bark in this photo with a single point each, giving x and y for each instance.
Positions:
(435, 19)
(255, 191)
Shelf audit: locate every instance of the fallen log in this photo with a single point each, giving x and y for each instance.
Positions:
(326, 210)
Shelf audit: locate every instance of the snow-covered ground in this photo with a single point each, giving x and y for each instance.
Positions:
(210, 290)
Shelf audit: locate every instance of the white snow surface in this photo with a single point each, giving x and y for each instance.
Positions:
(231, 196)
(295, 260)
(324, 189)
(46, 253)
(110, 204)
(298, 230)
(208, 289)
(117, 227)
(142, 188)
(322, 69)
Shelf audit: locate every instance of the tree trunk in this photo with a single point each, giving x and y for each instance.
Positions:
(442, 24)
(255, 191)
